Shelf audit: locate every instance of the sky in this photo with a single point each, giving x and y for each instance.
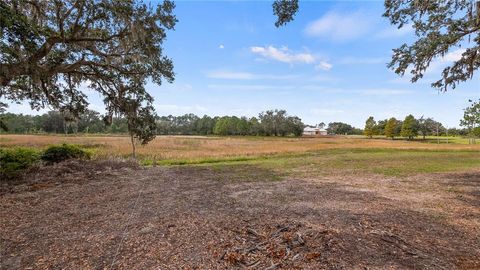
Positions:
(329, 64)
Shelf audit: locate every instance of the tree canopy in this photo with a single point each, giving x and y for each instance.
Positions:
(439, 26)
(370, 127)
(189, 124)
(50, 49)
(409, 127)
(471, 118)
(340, 128)
(390, 128)
(285, 10)
(428, 126)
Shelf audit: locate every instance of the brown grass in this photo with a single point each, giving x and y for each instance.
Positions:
(99, 215)
(198, 147)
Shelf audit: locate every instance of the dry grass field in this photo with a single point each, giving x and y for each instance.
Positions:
(198, 149)
(245, 203)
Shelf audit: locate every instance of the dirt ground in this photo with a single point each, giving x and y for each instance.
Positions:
(115, 215)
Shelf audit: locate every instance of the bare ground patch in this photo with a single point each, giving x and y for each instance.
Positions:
(116, 216)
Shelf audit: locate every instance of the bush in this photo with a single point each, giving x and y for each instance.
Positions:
(58, 153)
(476, 132)
(14, 160)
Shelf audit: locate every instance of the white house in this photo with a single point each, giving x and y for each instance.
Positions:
(314, 131)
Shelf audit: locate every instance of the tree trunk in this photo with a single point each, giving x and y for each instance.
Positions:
(132, 140)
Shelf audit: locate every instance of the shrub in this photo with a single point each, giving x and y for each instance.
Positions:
(14, 160)
(58, 153)
(476, 132)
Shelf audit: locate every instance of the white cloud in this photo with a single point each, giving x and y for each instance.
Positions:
(438, 64)
(340, 27)
(283, 55)
(453, 56)
(323, 66)
(238, 75)
(221, 46)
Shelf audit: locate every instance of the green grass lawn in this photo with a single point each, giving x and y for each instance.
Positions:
(428, 139)
(390, 162)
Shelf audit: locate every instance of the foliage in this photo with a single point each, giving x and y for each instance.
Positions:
(339, 128)
(188, 124)
(226, 126)
(390, 130)
(49, 48)
(428, 126)
(14, 160)
(59, 153)
(91, 122)
(141, 123)
(439, 26)
(409, 127)
(3, 125)
(54, 122)
(380, 127)
(205, 125)
(471, 119)
(284, 10)
(455, 132)
(370, 127)
(476, 132)
(279, 123)
(471, 115)
(272, 123)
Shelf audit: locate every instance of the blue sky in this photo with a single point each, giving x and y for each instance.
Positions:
(329, 64)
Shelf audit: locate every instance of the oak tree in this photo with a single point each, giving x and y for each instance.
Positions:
(49, 49)
(285, 10)
(440, 27)
(428, 126)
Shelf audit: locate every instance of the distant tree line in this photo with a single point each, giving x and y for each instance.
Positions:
(409, 128)
(57, 122)
(340, 128)
(268, 123)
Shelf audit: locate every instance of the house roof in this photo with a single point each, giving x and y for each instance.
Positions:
(312, 129)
